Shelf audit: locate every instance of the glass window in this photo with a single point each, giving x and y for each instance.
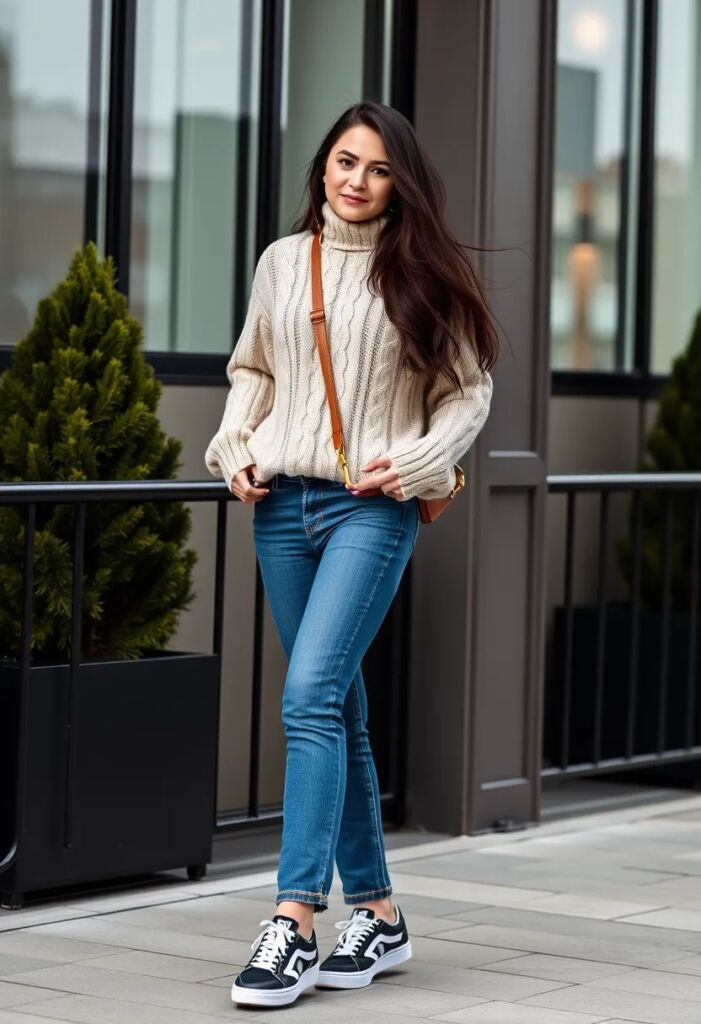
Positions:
(196, 107)
(51, 149)
(676, 292)
(590, 232)
(324, 72)
(196, 128)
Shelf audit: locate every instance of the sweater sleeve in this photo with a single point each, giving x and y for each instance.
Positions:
(425, 464)
(250, 371)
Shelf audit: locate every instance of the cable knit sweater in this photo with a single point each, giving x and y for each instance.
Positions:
(276, 412)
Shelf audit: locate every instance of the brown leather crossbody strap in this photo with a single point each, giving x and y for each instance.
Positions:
(318, 316)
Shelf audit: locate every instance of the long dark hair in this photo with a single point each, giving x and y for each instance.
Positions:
(430, 289)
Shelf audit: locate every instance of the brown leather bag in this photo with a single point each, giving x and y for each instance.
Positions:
(429, 508)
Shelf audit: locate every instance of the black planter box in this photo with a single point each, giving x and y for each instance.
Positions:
(143, 791)
(615, 706)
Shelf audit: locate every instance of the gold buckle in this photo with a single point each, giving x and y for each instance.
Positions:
(341, 452)
(459, 481)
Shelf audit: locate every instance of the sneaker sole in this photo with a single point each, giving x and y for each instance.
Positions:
(342, 979)
(278, 997)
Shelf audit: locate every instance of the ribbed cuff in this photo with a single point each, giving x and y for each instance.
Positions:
(423, 470)
(226, 457)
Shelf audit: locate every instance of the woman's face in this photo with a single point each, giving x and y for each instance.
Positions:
(358, 166)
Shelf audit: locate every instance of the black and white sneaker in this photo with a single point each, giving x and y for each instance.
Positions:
(367, 945)
(283, 965)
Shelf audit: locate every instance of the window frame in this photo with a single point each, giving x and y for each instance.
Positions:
(639, 381)
(208, 369)
(195, 368)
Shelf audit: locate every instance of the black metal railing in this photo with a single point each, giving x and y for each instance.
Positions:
(622, 675)
(79, 495)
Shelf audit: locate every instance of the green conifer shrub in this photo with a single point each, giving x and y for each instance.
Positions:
(79, 402)
(674, 444)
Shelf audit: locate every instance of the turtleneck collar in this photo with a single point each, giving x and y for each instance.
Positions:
(340, 233)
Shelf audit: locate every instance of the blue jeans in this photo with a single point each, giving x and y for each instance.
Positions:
(331, 563)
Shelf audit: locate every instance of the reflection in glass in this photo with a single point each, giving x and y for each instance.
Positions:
(676, 296)
(589, 152)
(323, 74)
(44, 65)
(195, 140)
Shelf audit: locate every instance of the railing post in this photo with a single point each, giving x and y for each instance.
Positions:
(71, 736)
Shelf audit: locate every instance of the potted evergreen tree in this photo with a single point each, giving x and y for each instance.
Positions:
(79, 402)
(674, 446)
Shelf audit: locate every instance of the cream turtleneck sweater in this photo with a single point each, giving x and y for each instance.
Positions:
(276, 413)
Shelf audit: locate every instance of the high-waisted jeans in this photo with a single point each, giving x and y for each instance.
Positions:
(331, 563)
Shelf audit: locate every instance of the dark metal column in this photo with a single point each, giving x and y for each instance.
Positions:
(484, 112)
(120, 131)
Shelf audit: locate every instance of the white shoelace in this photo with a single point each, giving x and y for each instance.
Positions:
(270, 944)
(354, 931)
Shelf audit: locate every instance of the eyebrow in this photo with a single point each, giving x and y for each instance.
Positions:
(348, 152)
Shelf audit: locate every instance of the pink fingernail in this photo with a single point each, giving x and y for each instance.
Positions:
(355, 492)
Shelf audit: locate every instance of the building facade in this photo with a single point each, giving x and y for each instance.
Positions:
(176, 134)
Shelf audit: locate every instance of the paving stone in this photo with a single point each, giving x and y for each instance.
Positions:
(670, 917)
(15, 995)
(199, 947)
(513, 1013)
(620, 930)
(582, 905)
(266, 893)
(543, 941)
(412, 903)
(657, 982)
(398, 999)
(685, 965)
(598, 869)
(586, 885)
(17, 1017)
(685, 888)
(28, 916)
(234, 884)
(312, 1006)
(670, 830)
(582, 845)
(556, 968)
(95, 1010)
(630, 1006)
(475, 892)
(690, 855)
(482, 983)
(682, 865)
(95, 981)
(469, 866)
(206, 916)
(461, 954)
(310, 1012)
(140, 896)
(49, 947)
(160, 965)
(11, 963)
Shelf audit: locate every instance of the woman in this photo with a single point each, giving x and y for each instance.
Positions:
(411, 342)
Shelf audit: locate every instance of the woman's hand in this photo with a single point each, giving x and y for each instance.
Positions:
(244, 489)
(388, 481)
